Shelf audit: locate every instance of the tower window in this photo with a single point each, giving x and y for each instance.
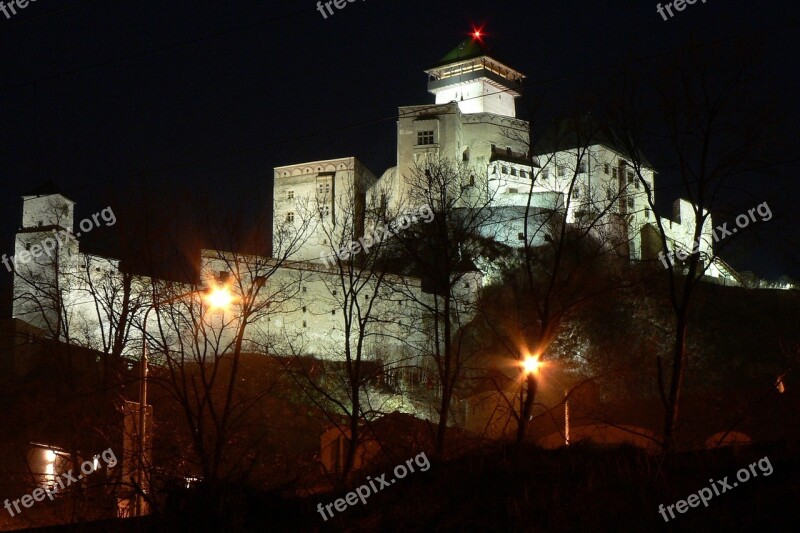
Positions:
(425, 137)
(290, 217)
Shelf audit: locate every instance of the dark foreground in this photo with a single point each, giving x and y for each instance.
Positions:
(583, 488)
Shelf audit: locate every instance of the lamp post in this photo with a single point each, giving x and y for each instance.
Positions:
(216, 298)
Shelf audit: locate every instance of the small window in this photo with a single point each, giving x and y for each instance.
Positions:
(630, 203)
(637, 184)
(523, 173)
(505, 170)
(472, 180)
(582, 167)
(513, 191)
(521, 236)
(305, 289)
(614, 173)
(630, 176)
(333, 292)
(545, 173)
(509, 153)
(561, 171)
(290, 195)
(513, 171)
(290, 217)
(333, 311)
(222, 276)
(606, 168)
(27, 246)
(304, 308)
(305, 324)
(425, 137)
(40, 223)
(646, 212)
(465, 156)
(609, 194)
(466, 285)
(576, 192)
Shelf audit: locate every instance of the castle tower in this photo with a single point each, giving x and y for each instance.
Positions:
(478, 82)
(44, 245)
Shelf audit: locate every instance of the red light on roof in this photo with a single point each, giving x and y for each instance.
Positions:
(477, 33)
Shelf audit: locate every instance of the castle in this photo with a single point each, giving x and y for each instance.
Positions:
(473, 121)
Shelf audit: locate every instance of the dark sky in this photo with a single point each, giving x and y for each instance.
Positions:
(108, 97)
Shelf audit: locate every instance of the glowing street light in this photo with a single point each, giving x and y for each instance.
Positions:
(219, 298)
(531, 364)
(216, 298)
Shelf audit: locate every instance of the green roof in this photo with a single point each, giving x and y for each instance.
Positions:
(468, 49)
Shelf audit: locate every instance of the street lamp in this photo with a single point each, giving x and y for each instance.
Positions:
(531, 364)
(216, 298)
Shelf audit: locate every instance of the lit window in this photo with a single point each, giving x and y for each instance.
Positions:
(290, 217)
(425, 137)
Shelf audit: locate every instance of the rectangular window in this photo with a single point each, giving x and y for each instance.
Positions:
(305, 289)
(425, 137)
(289, 195)
(521, 236)
(606, 168)
(561, 171)
(290, 217)
(582, 167)
(630, 176)
(646, 212)
(505, 170)
(305, 324)
(513, 171)
(609, 194)
(545, 173)
(614, 173)
(630, 203)
(523, 173)
(513, 191)
(576, 192)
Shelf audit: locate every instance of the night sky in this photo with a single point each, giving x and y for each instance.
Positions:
(110, 99)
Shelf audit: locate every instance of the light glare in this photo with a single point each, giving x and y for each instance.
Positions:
(219, 298)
